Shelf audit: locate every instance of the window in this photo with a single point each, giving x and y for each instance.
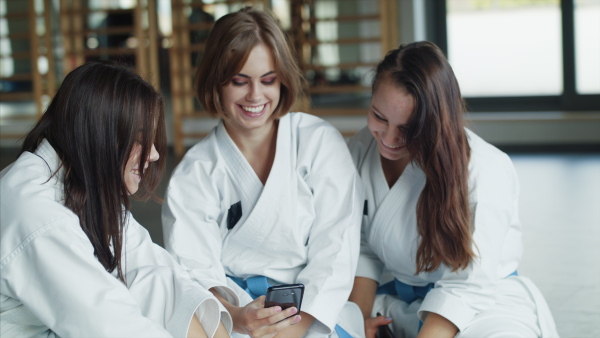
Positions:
(587, 46)
(522, 55)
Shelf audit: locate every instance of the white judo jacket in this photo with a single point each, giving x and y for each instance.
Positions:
(390, 239)
(51, 284)
(302, 226)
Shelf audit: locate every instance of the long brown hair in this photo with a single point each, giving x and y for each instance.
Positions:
(228, 46)
(437, 141)
(100, 112)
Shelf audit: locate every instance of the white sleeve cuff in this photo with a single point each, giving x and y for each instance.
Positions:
(447, 306)
(209, 315)
(369, 267)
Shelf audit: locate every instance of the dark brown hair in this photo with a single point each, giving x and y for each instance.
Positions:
(100, 112)
(228, 46)
(437, 142)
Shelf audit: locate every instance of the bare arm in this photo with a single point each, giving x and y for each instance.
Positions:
(436, 326)
(196, 330)
(363, 294)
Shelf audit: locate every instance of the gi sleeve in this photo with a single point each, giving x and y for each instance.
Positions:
(190, 218)
(369, 265)
(55, 274)
(334, 239)
(143, 253)
(459, 296)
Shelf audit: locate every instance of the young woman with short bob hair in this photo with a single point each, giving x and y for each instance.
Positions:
(246, 30)
(441, 213)
(74, 261)
(268, 195)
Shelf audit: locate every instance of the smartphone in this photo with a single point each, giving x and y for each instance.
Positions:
(286, 295)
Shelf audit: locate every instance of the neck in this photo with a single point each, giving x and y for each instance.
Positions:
(255, 140)
(258, 147)
(393, 169)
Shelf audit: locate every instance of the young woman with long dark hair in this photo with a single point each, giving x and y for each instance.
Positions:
(74, 262)
(441, 213)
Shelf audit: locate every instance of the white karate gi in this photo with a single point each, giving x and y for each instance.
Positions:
(479, 300)
(303, 226)
(51, 284)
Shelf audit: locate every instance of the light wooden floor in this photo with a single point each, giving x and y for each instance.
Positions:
(560, 212)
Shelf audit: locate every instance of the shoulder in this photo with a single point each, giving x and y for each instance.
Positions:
(31, 203)
(201, 158)
(486, 157)
(312, 135)
(30, 191)
(308, 127)
(490, 169)
(321, 151)
(205, 148)
(200, 175)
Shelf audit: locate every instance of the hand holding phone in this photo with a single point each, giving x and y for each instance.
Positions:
(285, 296)
(384, 331)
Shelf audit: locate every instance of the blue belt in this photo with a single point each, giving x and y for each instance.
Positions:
(257, 286)
(410, 293)
(406, 292)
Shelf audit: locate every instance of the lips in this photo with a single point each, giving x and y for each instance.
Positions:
(253, 111)
(136, 172)
(393, 147)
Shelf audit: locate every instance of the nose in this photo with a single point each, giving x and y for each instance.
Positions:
(153, 155)
(254, 93)
(392, 136)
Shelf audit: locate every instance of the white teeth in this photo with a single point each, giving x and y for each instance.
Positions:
(253, 109)
(135, 171)
(396, 147)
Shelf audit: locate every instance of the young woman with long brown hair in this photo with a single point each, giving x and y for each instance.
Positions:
(440, 216)
(74, 262)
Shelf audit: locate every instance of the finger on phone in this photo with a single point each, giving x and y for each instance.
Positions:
(277, 317)
(382, 320)
(287, 322)
(264, 313)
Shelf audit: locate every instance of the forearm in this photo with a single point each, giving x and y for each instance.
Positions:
(196, 330)
(363, 294)
(436, 326)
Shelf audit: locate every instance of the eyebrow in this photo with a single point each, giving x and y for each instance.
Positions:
(265, 74)
(378, 112)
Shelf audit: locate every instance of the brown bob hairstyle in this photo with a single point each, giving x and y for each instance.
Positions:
(437, 141)
(228, 46)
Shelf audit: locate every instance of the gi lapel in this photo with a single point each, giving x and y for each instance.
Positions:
(263, 203)
(389, 200)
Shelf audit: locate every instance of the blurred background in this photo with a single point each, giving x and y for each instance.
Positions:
(528, 69)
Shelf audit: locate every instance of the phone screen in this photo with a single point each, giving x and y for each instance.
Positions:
(286, 296)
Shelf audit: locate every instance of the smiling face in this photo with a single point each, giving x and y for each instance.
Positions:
(253, 94)
(131, 175)
(389, 114)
